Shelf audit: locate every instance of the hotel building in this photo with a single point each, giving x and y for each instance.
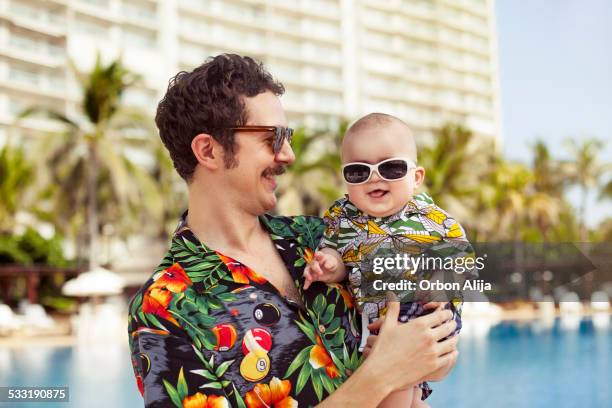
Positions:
(426, 61)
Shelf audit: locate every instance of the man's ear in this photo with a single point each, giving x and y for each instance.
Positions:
(206, 151)
(419, 176)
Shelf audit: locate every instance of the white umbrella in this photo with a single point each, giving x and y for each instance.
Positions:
(97, 282)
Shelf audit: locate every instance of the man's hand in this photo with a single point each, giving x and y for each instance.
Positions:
(415, 343)
(443, 371)
(327, 266)
(402, 355)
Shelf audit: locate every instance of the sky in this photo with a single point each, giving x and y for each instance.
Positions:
(555, 61)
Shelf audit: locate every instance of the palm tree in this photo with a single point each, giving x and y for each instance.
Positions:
(16, 176)
(511, 201)
(172, 189)
(313, 180)
(584, 170)
(456, 163)
(549, 176)
(606, 191)
(89, 162)
(546, 202)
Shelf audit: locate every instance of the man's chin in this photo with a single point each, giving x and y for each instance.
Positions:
(269, 202)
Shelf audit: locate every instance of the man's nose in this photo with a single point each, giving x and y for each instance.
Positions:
(285, 155)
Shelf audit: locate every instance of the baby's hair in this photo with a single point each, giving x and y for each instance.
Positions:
(374, 119)
(382, 119)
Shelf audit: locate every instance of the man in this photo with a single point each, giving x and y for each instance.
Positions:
(224, 320)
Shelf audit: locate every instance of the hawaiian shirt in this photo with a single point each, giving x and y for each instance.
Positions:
(208, 331)
(420, 227)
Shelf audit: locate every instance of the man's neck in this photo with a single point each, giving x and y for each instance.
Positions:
(221, 225)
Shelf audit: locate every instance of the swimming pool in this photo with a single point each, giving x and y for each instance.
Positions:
(532, 364)
(99, 376)
(510, 364)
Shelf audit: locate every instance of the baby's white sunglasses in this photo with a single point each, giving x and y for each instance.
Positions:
(392, 169)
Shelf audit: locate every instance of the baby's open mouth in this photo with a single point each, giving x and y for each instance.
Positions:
(378, 193)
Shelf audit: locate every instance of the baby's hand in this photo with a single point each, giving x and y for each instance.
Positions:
(324, 268)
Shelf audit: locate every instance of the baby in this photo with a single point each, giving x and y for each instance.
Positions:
(379, 157)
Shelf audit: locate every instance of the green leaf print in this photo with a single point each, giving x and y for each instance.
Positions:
(319, 305)
(333, 327)
(154, 321)
(327, 383)
(303, 377)
(223, 368)
(204, 335)
(215, 385)
(307, 329)
(136, 305)
(309, 230)
(173, 394)
(316, 383)
(204, 373)
(279, 227)
(239, 401)
(192, 247)
(301, 359)
(329, 314)
(181, 385)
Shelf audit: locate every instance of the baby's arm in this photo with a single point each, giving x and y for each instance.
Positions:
(327, 266)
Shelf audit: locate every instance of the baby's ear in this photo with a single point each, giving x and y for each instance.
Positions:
(419, 176)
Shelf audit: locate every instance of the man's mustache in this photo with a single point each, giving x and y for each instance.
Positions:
(276, 171)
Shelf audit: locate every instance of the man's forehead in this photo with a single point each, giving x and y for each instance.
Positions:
(265, 109)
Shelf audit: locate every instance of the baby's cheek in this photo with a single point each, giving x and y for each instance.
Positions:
(357, 195)
(401, 191)
(355, 192)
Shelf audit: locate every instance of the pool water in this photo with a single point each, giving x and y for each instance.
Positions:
(531, 365)
(511, 364)
(97, 376)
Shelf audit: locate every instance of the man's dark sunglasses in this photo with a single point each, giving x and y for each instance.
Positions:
(280, 134)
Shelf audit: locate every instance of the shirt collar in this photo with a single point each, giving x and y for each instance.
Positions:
(182, 228)
(418, 204)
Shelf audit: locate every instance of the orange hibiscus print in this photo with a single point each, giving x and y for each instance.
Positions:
(241, 273)
(274, 395)
(346, 296)
(174, 278)
(199, 400)
(160, 293)
(319, 357)
(308, 255)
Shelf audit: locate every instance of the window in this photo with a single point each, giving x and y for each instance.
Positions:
(24, 76)
(57, 82)
(250, 12)
(91, 27)
(139, 38)
(139, 11)
(16, 107)
(25, 43)
(193, 54)
(97, 3)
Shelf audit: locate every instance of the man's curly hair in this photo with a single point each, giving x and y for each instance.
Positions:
(209, 99)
